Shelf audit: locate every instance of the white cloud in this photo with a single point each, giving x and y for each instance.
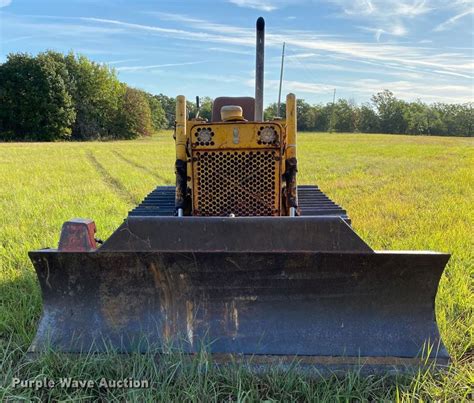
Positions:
(155, 66)
(404, 63)
(383, 17)
(301, 56)
(229, 50)
(404, 89)
(122, 61)
(385, 55)
(395, 30)
(19, 38)
(451, 21)
(4, 3)
(204, 25)
(411, 90)
(411, 9)
(264, 5)
(394, 17)
(241, 36)
(384, 8)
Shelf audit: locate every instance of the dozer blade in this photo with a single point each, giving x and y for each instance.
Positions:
(157, 283)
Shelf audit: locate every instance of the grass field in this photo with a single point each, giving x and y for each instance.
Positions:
(402, 192)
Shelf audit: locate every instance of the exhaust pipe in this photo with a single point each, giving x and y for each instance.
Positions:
(259, 69)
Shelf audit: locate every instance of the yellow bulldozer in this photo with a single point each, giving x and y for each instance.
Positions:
(240, 260)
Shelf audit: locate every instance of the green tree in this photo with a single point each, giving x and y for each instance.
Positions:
(367, 120)
(416, 117)
(447, 116)
(134, 117)
(390, 111)
(205, 110)
(169, 106)
(343, 117)
(322, 117)
(158, 117)
(97, 95)
(270, 111)
(35, 102)
(435, 124)
(304, 115)
(465, 118)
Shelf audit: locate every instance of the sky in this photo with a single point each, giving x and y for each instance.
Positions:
(418, 49)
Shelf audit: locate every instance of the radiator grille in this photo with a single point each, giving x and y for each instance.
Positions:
(243, 183)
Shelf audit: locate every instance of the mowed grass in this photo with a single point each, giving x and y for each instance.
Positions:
(402, 192)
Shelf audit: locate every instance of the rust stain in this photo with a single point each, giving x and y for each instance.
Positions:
(117, 306)
(177, 312)
(162, 284)
(235, 317)
(47, 274)
(231, 318)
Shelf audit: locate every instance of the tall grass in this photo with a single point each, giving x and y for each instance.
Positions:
(402, 192)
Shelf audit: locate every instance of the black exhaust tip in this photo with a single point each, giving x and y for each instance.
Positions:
(259, 62)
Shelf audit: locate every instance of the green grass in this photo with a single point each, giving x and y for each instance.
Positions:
(402, 192)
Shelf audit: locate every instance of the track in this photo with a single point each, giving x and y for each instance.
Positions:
(312, 201)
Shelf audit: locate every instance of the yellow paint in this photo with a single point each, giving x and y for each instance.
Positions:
(181, 128)
(235, 137)
(291, 126)
(224, 136)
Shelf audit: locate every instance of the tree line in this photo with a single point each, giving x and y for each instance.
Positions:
(385, 114)
(53, 96)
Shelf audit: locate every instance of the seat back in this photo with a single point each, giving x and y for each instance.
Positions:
(246, 103)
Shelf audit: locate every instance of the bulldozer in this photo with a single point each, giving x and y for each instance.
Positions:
(240, 260)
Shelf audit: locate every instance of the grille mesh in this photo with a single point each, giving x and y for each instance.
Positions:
(236, 182)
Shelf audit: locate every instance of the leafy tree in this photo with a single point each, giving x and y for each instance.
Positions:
(158, 117)
(343, 119)
(390, 111)
(447, 114)
(304, 115)
(271, 111)
(35, 102)
(134, 118)
(416, 117)
(435, 124)
(322, 117)
(205, 110)
(55, 96)
(169, 106)
(465, 118)
(367, 120)
(97, 95)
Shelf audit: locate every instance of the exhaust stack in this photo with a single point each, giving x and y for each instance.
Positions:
(259, 69)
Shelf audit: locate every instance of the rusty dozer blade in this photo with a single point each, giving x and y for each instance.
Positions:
(272, 288)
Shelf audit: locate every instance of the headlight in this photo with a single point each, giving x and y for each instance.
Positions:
(204, 135)
(267, 135)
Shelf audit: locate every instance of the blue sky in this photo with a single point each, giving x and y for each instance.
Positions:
(416, 48)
